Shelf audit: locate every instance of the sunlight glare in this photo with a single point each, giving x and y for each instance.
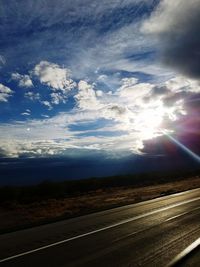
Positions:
(149, 121)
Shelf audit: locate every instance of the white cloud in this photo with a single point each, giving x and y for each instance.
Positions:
(32, 96)
(88, 49)
(132, 95)
(31, 149)
(37, 97)
(127, 82)
(5, 93)
(45, 116)
(46, 103)
(168, 15)
(25, 114)
(134, 91)
(54, 76)
(57, 78)
(132, 114)
(58, 97)
(37, 138)
(99, 93)
(23, 80)
(181, 83)
(102, 78)
(87, 97)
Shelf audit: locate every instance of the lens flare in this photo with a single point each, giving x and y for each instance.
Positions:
(183, 147)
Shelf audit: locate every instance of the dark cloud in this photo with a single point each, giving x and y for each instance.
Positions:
(172, 98)
(176, 24)
(160, 90)
(193, 103)
(166, 148)
(157, 91)
(182, 49)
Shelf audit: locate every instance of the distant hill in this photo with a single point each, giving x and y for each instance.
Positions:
(33, 171)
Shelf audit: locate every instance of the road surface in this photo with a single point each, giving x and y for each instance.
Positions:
(151, 233)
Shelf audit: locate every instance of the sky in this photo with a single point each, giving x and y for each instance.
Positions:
(98, 79)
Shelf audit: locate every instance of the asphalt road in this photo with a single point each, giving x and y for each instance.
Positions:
(150, 233)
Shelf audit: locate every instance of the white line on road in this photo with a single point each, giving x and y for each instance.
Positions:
(184, 253)
(181, 214)
(99, 230)
(167, 220)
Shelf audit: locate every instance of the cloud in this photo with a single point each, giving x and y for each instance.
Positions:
(96, 35)
(176, 90)
(26, 113)
(45, 116)
(32, 96)
(87, 97)
(176, 26)
(159, 91)
(23, 80)
(57, 98)
(5, 93)
(122, 48)
(181, 83)
(107, 106)
(41, 142)
(47, 104)
(54, 76)
(134, 92)
(38, 97)
(57, 78)
(61, 11)
(40, 148)
(51, 74)
(122, 96)
(125, 119)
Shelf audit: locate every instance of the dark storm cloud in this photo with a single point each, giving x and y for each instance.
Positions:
(176, 24)
(184, 52)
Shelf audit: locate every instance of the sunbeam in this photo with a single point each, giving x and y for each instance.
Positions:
(183, 147)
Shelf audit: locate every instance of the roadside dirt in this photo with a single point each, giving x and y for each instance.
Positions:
(16, 216)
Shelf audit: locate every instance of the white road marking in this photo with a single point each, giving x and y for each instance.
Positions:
(174, 217)
(99, 230)
(181, 214)
(169, 219)
(184, 253)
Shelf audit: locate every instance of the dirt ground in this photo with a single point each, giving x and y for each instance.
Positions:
(17, 216)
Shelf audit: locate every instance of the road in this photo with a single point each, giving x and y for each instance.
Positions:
(151, 233)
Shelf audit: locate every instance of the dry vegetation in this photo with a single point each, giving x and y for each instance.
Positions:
(15, 215)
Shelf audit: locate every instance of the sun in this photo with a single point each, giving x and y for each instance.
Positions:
(149, 121)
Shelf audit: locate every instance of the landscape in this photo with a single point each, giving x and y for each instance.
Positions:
(23, 207)
(99, 133)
